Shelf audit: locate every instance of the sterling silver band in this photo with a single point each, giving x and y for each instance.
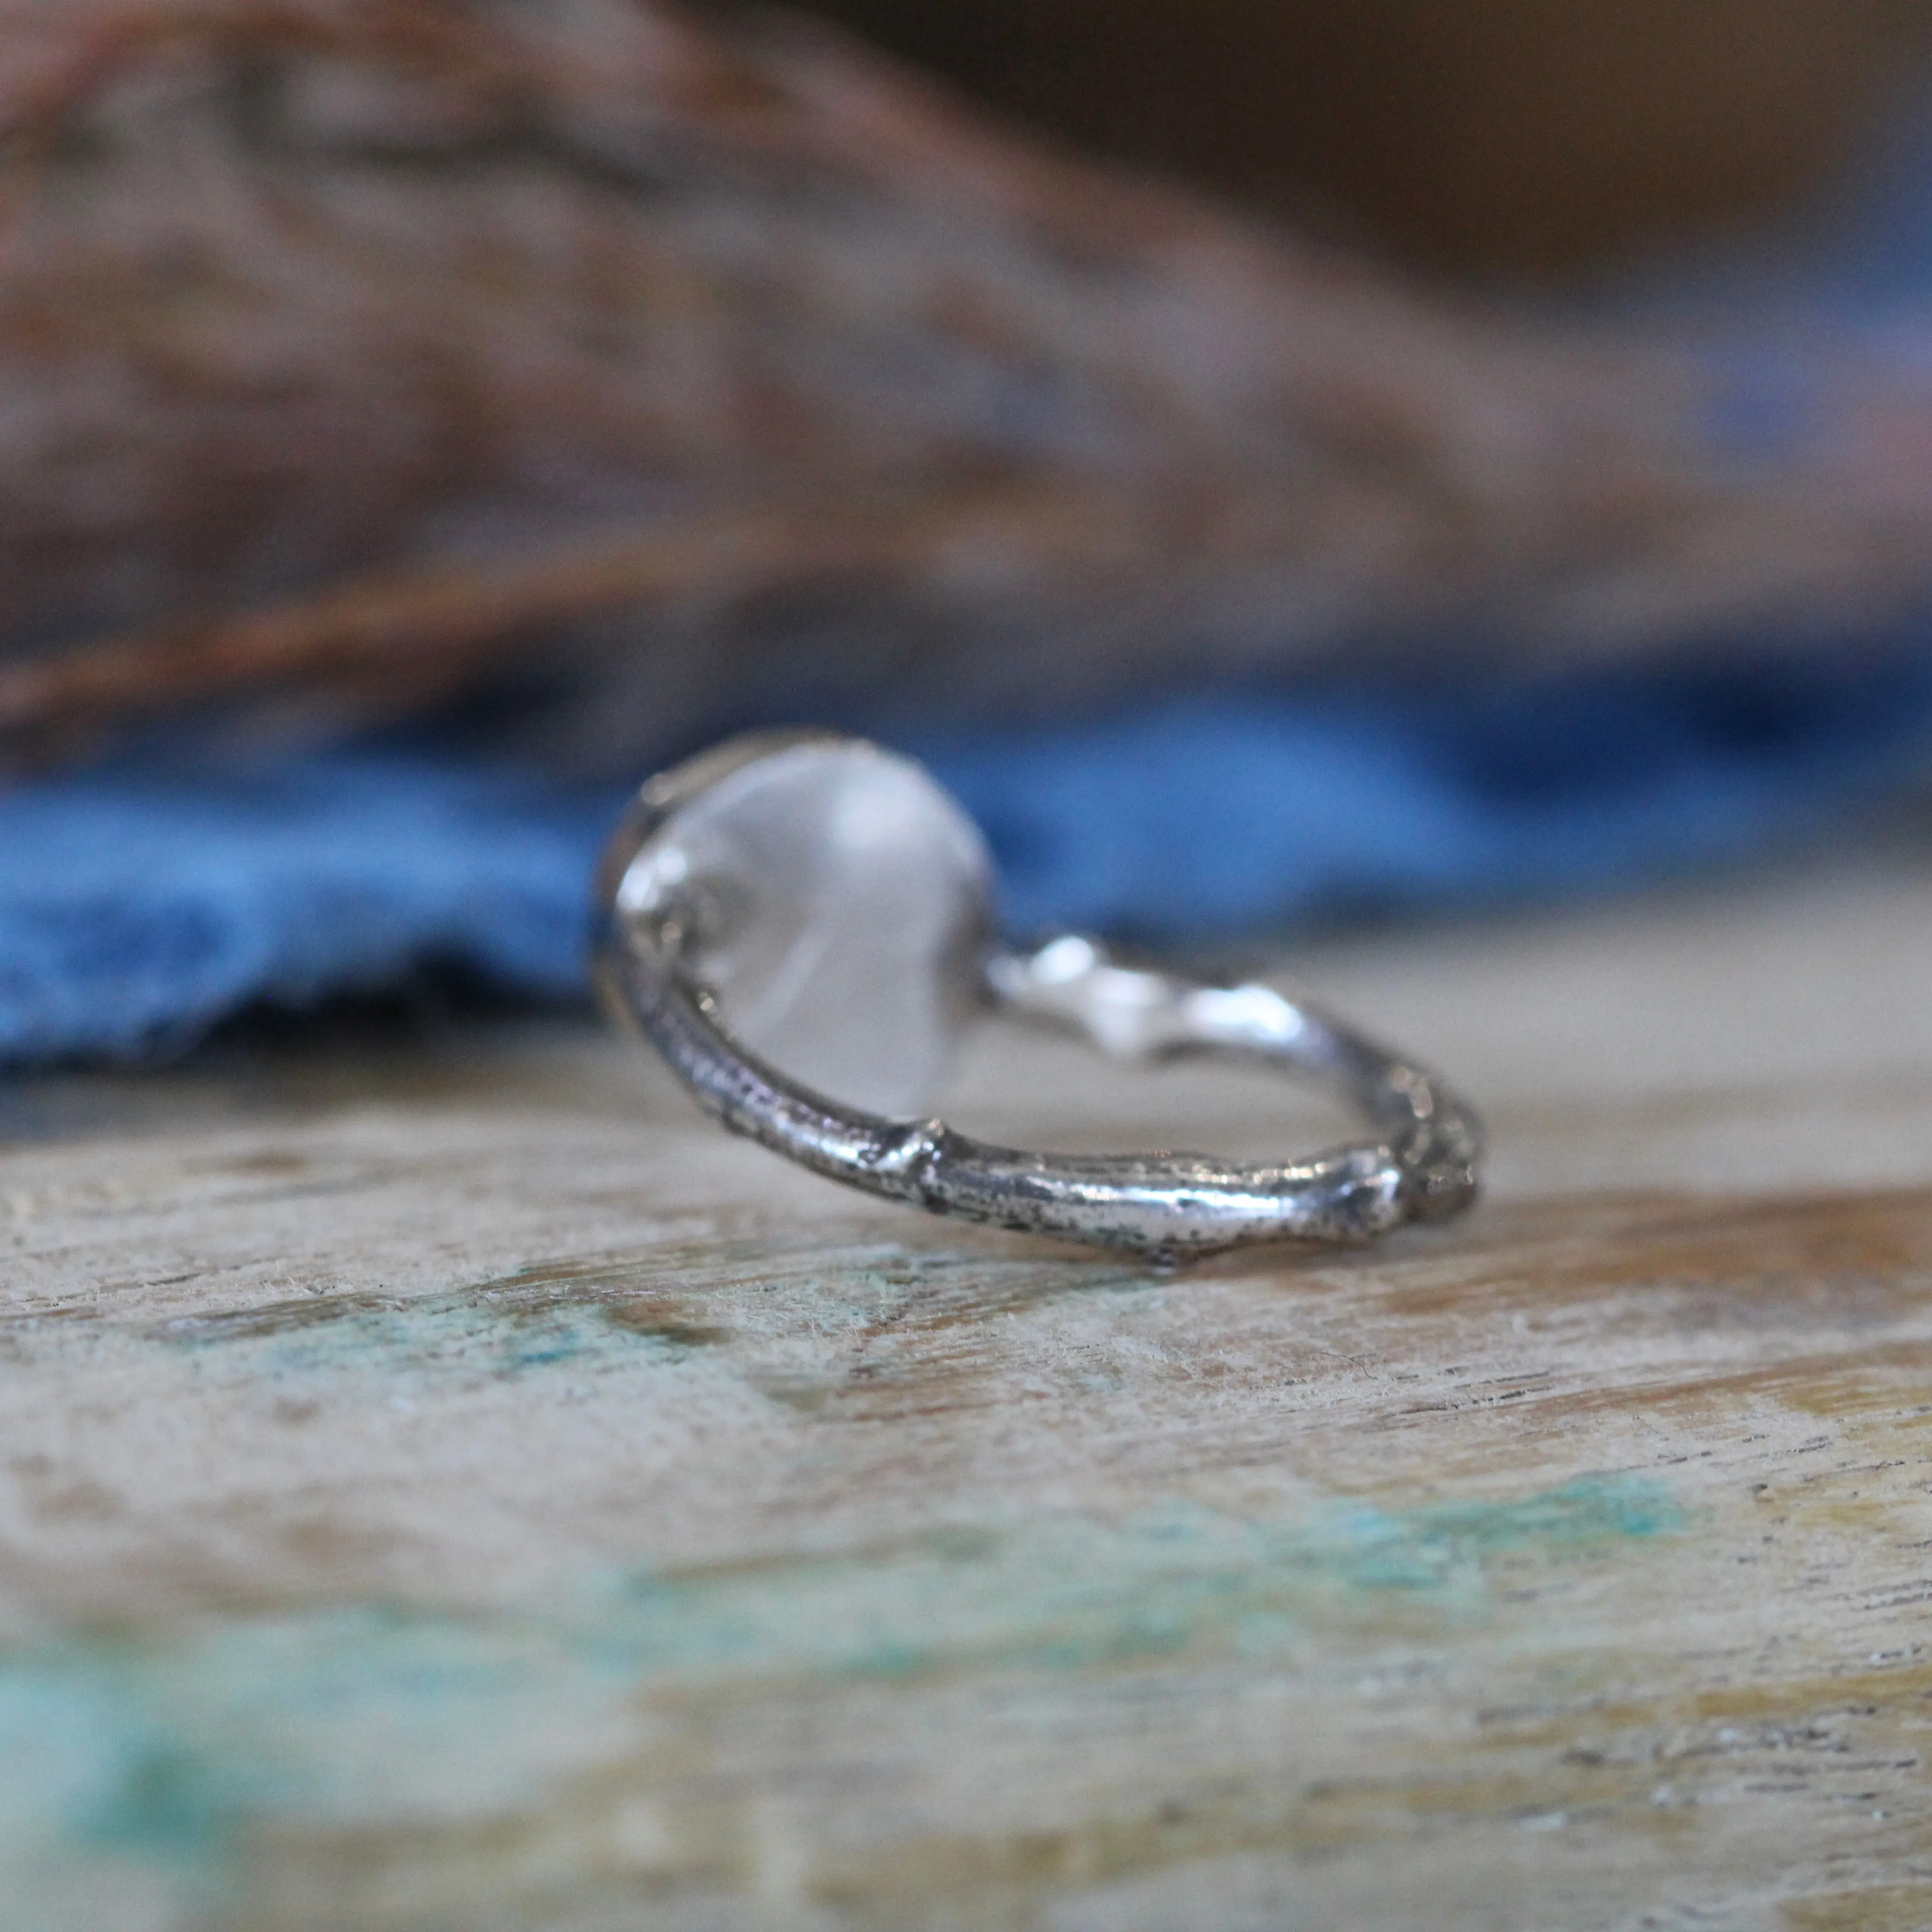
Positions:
(1420, 1164)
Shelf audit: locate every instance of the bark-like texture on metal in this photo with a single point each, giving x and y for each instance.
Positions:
(352, 355)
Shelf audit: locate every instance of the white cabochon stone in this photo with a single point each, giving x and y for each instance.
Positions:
(840, 903)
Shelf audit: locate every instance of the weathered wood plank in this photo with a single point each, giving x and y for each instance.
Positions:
(465, 1490)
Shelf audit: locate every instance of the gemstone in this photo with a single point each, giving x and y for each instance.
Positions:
(837, 903)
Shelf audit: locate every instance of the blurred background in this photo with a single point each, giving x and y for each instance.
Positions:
(1284, 462)
(1495, 138)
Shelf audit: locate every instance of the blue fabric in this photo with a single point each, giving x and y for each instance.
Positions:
(137, 908)
(1213, 817)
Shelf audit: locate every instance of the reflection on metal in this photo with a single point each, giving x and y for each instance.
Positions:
(764, 827)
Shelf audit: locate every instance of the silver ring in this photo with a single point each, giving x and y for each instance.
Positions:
(793, 915)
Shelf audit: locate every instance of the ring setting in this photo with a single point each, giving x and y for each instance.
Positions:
(801, 925)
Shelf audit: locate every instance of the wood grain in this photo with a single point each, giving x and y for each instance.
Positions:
(451, 1485)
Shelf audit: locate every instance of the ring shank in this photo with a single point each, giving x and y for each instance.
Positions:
(1423, 1165)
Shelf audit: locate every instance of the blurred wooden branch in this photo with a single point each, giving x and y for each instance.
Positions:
(627, 359)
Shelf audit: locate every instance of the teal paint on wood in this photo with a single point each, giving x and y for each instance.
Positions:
(618, 1312)
(165, 1755)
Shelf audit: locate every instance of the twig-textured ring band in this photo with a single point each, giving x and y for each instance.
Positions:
(791, 917)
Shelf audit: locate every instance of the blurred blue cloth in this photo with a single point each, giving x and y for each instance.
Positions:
(140, 907)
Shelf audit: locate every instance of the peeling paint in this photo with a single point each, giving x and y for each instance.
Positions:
(166, 1754)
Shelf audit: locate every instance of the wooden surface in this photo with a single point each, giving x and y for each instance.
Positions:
(458, 1488)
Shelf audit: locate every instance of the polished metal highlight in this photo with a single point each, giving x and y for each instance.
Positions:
(680, 897)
